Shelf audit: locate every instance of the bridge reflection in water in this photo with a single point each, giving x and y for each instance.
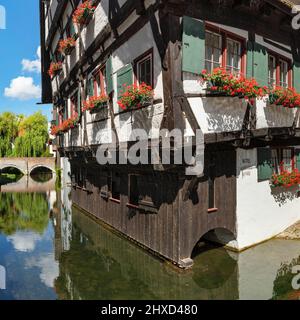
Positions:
(28, 183)
(54, 251)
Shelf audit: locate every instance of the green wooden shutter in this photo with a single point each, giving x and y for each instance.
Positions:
(193, 42)
(72, 29)
(297, 155)
(296, 75)
(264, 164)
(109, 76)
(91, 87)
(79, 100)
(57, 117)
(65, 112)
(257, 63)
(125, 78)
(52, 57)
(250, 58)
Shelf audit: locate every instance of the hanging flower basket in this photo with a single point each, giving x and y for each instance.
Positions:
(136, 96)
(55, 68)
(222, 83)
(95, 103)
(66, 125)
(286, 179)
(285, 97)
(84, 13)
(66, 46)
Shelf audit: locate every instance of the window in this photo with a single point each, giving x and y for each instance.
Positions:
(133, 190)
(284, 73)
(279, 72)
(225, 50)
(115, 187)
(74, 102)
(283, 159)
(100, 82)
(213, 51)
(144, 69)
(233, 59)
(272, 71)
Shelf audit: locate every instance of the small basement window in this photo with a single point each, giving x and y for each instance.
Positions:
(133, 190)
(115, 187)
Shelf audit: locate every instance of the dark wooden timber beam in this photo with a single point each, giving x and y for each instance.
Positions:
(238, 18)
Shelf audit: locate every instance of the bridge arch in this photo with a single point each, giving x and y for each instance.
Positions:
(218, 235)
(41, 166)
(13, 166)
(221, 236)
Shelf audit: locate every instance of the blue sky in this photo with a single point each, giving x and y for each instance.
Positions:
(19, 60)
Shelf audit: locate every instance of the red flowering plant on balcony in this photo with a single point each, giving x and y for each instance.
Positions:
(286, 97)
(66, 125)
(95, 102)
(55, 68)
(55, 130)
(221, 82)
(135, 96)
(67, 45)
(286, 179)
(83, 13)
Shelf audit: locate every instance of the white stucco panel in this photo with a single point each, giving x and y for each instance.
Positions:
(262, 212)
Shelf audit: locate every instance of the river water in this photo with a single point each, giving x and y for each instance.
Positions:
(50, 250)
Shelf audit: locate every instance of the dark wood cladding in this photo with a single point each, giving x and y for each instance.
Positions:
(179, 223)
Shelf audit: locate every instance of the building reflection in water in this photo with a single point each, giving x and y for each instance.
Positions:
(95, 263)
(54, 251)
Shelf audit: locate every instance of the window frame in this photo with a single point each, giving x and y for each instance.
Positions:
(225, 35)
(280, 166)
(278, 57)
(100, 75)
(138, 61)
(74, 103)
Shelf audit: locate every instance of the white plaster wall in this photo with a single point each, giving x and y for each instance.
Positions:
(138, 44)
(99, 132)
(259, 216)
(66, 171)
(149, 119)
(219, 114)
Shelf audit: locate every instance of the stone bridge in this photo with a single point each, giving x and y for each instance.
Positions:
(27, 165)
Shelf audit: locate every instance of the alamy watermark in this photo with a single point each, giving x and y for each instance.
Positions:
(296, 18)
(296, 279)
(170, 148)
(2, 18)
(2, 278)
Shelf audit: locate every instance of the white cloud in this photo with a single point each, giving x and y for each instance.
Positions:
(48, 266)
(24, 241)
(23, 88)
(33, 65)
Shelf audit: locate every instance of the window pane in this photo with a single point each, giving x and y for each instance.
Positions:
(145, 71)
(283, 73)
(233, 63)
(213, 47)
(272, 71)
(287, 159)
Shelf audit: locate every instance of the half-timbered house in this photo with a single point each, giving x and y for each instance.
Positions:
(167, 45)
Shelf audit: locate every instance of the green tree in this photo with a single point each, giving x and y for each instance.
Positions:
(33, 136)
(9, 129)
